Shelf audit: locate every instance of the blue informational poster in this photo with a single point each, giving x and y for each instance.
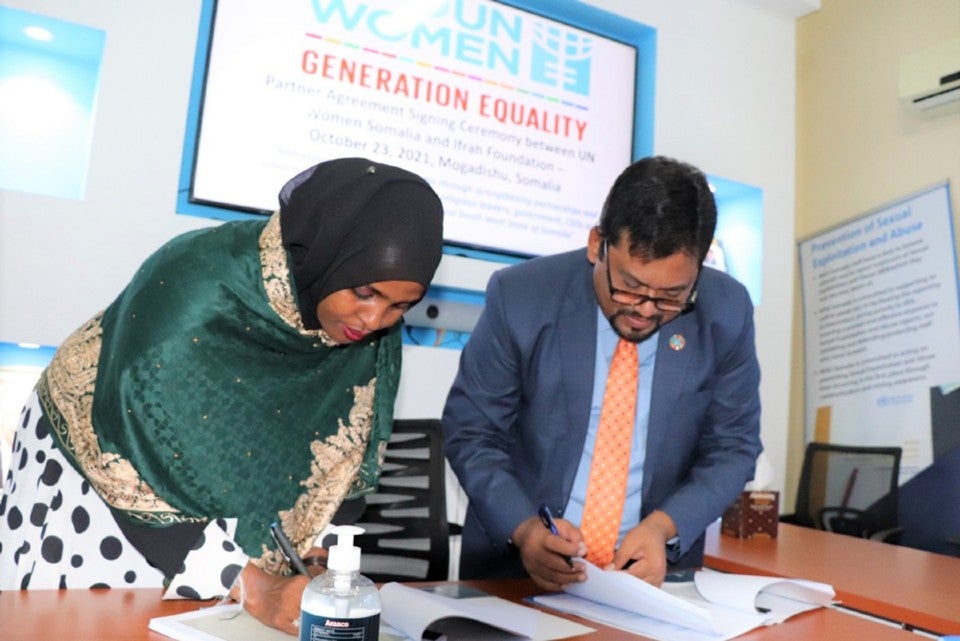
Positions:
(881, 325)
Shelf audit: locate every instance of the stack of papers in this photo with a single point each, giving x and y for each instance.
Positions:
(713, 607)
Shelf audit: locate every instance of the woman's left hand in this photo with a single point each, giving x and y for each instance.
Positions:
(273, 600)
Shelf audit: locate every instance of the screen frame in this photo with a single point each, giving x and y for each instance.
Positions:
(569, 12)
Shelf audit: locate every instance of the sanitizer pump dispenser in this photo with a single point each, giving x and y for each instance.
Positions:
(341, 603)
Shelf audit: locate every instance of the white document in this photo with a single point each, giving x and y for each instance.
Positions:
(216, 623)
(713, 607)
(485, 618)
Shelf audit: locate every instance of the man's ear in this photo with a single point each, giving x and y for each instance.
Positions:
(594, 245)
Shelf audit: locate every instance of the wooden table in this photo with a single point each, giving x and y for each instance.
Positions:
(917, 588)
(123, 615)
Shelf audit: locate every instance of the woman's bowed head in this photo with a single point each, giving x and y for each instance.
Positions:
(364, 239)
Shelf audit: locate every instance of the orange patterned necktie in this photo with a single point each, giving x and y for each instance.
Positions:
(607, 485)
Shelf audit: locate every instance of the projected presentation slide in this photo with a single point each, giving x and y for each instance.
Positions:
(520, 122)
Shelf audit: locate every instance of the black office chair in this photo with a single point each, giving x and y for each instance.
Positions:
(406, 535)
(850, 490)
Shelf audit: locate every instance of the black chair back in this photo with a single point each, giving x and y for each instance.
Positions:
(848, 489)
(406, 536)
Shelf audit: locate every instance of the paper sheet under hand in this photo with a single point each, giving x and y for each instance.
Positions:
(625, 591)
(216, 623)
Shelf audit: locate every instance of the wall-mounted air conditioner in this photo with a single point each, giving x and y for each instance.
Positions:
(930, 79)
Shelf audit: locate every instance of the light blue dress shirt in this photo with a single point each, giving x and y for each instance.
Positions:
(647, 354)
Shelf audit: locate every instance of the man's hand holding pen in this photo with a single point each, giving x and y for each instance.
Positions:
(545, 554)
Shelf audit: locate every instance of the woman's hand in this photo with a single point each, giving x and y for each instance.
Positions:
(272, 600)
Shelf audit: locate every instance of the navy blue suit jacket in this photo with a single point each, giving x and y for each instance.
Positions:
(516, 418)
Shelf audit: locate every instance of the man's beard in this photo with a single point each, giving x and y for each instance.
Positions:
(635, 336)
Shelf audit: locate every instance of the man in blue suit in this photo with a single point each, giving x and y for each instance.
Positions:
(520, 423)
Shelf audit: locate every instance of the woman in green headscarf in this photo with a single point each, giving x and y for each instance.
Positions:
(246, 375)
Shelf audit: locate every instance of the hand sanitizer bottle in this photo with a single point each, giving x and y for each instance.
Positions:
(341, 604)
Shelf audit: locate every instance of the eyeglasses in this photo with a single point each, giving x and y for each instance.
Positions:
(633, 299)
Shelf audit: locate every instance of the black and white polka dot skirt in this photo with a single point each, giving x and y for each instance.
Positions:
(55, 531)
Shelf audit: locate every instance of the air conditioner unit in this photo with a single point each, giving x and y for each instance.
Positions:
(930, 79)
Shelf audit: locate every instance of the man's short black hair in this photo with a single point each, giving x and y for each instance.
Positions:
(664, 205)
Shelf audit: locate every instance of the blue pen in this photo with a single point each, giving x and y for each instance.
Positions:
(547, 519)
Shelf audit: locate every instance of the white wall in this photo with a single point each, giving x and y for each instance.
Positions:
(62, 260)
(724, 101)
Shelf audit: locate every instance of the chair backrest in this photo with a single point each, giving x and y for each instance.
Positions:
(406, 535)
(841, 487)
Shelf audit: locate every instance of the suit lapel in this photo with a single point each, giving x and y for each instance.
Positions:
(577, 333)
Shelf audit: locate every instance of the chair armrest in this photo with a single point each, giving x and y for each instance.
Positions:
(888, 535)
(843, 520)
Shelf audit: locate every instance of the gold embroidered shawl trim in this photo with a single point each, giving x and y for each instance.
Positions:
(333, 470)
(277, 282)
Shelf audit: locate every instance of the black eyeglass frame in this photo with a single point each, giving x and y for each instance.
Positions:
(624, 297)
